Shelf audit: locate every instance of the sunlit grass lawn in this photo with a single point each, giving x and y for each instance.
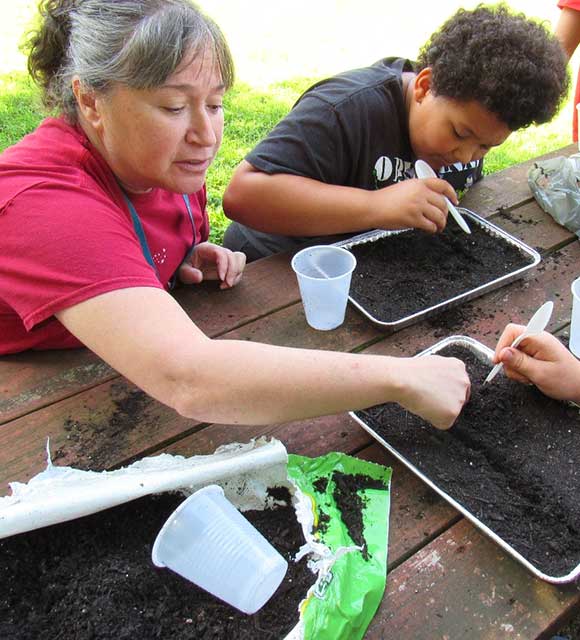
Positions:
(264, 95)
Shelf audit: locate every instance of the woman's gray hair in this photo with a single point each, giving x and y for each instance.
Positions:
(138, 43)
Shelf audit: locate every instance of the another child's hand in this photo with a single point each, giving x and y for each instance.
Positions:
(212, 262)
(541, 360)
(419, 204)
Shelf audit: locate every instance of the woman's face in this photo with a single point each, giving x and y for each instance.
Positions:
(163, 137)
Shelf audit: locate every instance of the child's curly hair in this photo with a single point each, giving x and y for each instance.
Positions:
(510, 64)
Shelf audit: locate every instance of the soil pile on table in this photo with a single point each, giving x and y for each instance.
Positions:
(512, 460)
(93, 578)
(408, 272)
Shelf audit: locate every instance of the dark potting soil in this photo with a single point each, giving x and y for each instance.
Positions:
(408, 272)
(93, 578)
(512, 459)
(349, 502)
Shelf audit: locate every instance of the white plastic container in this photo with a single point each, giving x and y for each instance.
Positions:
(324, 274)
(575, 324)
(209, 542)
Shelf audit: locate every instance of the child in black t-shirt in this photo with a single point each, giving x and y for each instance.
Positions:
(341, 161)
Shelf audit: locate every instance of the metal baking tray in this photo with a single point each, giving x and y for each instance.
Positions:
(485, 355)
(473, 218)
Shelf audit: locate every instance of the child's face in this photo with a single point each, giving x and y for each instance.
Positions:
(445, 131)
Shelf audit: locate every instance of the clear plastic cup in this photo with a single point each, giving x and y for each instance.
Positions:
(209, 542)
(324, 274)
(575, 324)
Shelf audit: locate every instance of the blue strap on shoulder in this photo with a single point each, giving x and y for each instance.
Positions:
(143, 240)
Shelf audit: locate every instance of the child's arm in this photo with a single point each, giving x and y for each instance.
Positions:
(568, 30)
(294, 205)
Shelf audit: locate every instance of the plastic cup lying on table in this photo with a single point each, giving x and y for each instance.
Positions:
(575, 324)
(324, 274)
(209, 542)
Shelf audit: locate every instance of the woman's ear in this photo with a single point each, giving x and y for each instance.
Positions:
(422, 84)
(87, 103)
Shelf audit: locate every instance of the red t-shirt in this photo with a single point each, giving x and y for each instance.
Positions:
(66, 234)
(573, 4)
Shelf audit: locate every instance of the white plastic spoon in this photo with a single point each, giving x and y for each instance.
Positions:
(423, 171)
(537, 324)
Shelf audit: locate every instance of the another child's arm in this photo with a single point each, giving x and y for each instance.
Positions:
(541, 360)
(294, 205)
(568, 30)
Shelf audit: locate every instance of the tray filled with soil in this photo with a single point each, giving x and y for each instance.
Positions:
(404, 276)
(511, 462)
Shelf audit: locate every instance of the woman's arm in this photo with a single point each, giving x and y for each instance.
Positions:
(297, 206)
(145, 335)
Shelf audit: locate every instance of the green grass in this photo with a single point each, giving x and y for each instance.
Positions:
(278, 57)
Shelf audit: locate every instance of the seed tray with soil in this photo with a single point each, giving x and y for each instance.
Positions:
(93, 578)
(404, 276)
(511, 462)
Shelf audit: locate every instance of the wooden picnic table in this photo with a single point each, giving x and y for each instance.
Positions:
(446, 579)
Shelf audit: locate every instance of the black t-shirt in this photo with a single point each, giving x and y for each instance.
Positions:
(351, 130)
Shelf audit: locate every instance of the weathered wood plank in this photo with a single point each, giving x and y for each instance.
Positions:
(535, 227)
(508, 188)
(305, 437)
(288, 327)
(462, 585)
(267, 285)
(34, 379)
(93, 430)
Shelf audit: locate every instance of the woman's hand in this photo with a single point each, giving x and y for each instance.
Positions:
(541, 360)
(434, 388)
(212, 262)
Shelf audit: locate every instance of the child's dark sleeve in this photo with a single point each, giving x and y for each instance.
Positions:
(310, 142)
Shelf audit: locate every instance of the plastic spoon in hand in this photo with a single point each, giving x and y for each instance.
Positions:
(537, 324)
(423, 171)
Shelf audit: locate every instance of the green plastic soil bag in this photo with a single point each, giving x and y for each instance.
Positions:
(347, 598)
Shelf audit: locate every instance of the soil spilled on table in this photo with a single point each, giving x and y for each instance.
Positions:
(93, 578)
(408, 272)
(512, 459)
(94, 441)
